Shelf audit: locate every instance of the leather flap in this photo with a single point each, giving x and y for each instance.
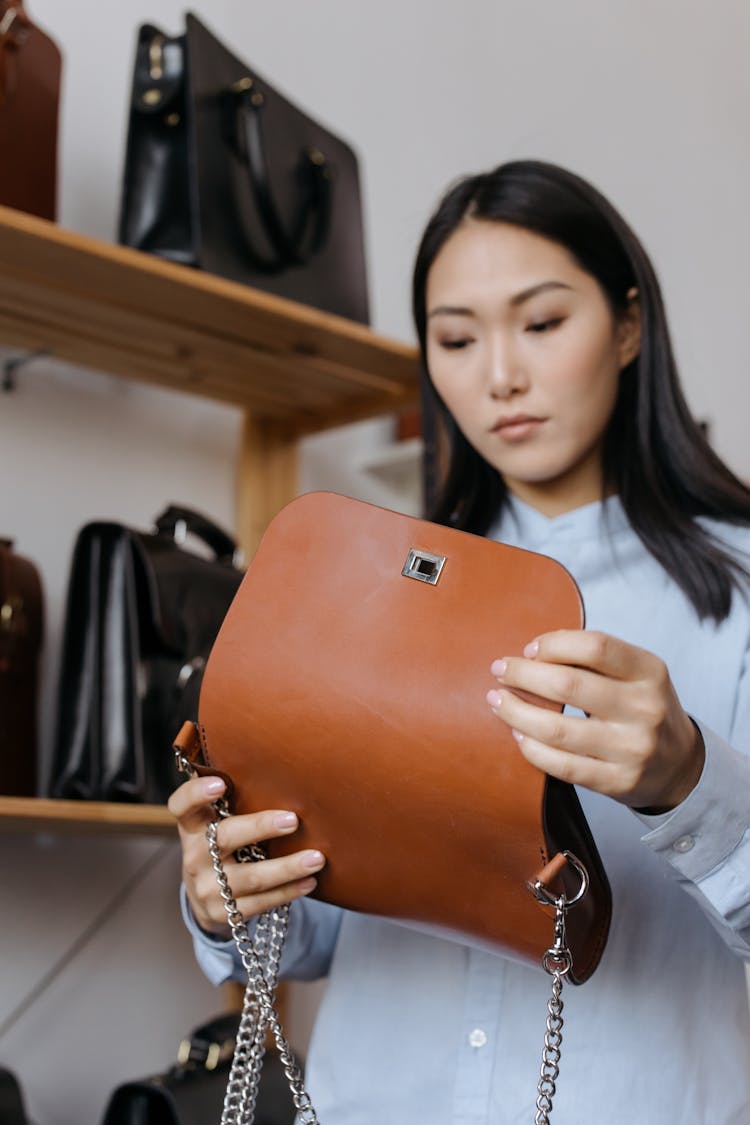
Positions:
(352, 693)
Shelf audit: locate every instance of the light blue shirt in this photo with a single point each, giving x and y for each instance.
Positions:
(414, 1028)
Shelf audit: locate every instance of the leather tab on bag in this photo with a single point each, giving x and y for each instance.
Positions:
(551, 876)
(188, 746)
(188, 743)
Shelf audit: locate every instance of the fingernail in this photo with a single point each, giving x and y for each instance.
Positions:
(516, 734)
(285, 820)
(313, 860)
(308, 885)
(531, 650)
(499, 668)
(214, 786)
(494, 698)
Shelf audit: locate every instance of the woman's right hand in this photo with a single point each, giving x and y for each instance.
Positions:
(256, 887)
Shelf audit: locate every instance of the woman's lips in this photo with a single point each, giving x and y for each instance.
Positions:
(517, 427)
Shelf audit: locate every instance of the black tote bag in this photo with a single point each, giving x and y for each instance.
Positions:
(224, 173)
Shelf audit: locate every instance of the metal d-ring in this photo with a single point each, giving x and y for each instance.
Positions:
(543, 895)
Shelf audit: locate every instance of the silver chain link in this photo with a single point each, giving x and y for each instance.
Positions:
(557, 961)
(260, 956)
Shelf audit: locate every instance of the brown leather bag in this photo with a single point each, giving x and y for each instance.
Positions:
(30, 70)
(20, 644)
(347, 683)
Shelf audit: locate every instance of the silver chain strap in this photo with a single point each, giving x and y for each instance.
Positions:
(557, 961)
(261, 956)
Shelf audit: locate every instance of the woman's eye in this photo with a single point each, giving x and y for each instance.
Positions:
(545, 325)
(456, 344)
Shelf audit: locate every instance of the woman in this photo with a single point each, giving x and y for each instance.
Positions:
(547, 351)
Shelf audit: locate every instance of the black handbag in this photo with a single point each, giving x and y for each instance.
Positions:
(224, 173)
(192, 1091)
(12, 1111)
(142, 613)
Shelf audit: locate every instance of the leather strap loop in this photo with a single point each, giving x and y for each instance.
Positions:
(223, 546)
(13, 19)
(188, 745)
(307, 231)
(15, 27)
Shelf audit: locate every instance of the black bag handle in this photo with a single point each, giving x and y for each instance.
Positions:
(309, 227)
(223, 546)
(212, 1043)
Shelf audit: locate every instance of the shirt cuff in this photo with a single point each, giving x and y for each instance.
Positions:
(216, 956)
(710, 823)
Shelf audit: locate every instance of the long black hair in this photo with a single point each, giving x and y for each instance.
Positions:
(656, 456)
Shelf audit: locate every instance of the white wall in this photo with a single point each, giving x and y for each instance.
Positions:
(648, 99)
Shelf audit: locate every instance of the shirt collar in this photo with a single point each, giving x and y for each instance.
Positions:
(521, 525)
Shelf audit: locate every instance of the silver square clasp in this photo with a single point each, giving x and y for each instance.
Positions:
(423, 566)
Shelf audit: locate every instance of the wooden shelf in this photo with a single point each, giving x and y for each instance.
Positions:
(292, 369)
(113, 309)
(40, 814)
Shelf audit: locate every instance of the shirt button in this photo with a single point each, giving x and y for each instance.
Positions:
(477, 1037)
(684, 844)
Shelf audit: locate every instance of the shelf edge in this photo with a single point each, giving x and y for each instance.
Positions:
(42, 814)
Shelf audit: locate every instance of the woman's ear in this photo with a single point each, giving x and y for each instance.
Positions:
(629, 330)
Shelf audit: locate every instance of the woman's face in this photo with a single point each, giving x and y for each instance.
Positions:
(524, 350)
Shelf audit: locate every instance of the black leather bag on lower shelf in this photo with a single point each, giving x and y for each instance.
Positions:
(192, 1091)
(12, 1111)
(224, 173)
(142, 615)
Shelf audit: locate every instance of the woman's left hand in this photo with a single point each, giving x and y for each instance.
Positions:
(636, 745)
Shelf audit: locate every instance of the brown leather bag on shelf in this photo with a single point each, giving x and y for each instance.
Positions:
(30, 74)
(348, 683)
(21, 627)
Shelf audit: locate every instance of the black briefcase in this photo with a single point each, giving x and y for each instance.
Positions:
(142, 614)
(224, 173)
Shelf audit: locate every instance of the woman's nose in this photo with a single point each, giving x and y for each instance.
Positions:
(505, 374)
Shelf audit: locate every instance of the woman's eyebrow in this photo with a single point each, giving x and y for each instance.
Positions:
(532, 291)
(514, 301)
(450, 310)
